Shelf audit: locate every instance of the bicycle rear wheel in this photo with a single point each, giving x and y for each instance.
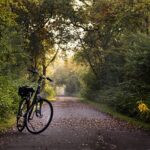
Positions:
(21, 115)
(39, 116)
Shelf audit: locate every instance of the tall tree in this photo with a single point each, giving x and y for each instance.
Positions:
(43, 21)
(105, 24)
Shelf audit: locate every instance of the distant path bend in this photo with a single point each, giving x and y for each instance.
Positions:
(78, 126)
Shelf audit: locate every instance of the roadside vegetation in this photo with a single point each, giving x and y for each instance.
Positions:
(116, 52)
(102, 107)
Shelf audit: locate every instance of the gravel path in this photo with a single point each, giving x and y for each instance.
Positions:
(78, 126)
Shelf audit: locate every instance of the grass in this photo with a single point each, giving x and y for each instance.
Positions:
(109, 110)
(7, 124)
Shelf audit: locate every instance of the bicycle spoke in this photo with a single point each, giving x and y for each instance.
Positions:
(32, 126)
(42, 117)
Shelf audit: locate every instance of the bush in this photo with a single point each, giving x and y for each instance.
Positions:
(89, 86)
(8, 97)
(48, 91)
(126, 83)
(72, 85)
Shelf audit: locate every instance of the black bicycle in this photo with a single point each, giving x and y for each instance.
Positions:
(35, 113)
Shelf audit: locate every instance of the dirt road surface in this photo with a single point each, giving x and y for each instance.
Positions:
(78, 126)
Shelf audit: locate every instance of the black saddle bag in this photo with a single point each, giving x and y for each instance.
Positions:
(25, 91)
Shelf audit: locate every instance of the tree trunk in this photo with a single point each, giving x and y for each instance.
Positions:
(44, 68)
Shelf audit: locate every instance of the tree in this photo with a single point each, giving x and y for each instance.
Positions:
(43, 22)
(109, 21)
(115, 47)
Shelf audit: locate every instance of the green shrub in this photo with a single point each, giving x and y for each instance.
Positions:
(48, 91)
(8, 97)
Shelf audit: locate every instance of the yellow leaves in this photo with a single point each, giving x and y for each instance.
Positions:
(143, 107)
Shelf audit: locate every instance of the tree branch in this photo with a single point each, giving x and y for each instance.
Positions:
(52, 58)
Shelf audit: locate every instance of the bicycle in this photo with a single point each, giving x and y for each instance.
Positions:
(34, 112)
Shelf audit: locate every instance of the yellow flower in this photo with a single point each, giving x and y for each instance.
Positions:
(143, 107)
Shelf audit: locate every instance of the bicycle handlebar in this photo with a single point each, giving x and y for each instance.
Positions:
(49, 79)
(36, 72)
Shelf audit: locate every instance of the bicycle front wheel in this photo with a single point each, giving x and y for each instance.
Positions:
(39, 116)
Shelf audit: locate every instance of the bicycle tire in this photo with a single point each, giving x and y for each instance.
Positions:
(21, 115)
(45, 107)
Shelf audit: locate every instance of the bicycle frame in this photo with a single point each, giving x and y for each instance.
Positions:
(37, 96)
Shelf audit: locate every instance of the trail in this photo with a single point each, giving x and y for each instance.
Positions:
(78, 126)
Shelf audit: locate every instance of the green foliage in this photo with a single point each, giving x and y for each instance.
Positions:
(43, 25)
(49, 91)
(12, 54)
(116, 48)
(137, 57)
(72, 84)
(12, 61)
(8, 97)
(89, 86)
(132, 86)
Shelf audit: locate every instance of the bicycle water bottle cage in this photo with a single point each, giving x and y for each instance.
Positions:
(25, 91)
